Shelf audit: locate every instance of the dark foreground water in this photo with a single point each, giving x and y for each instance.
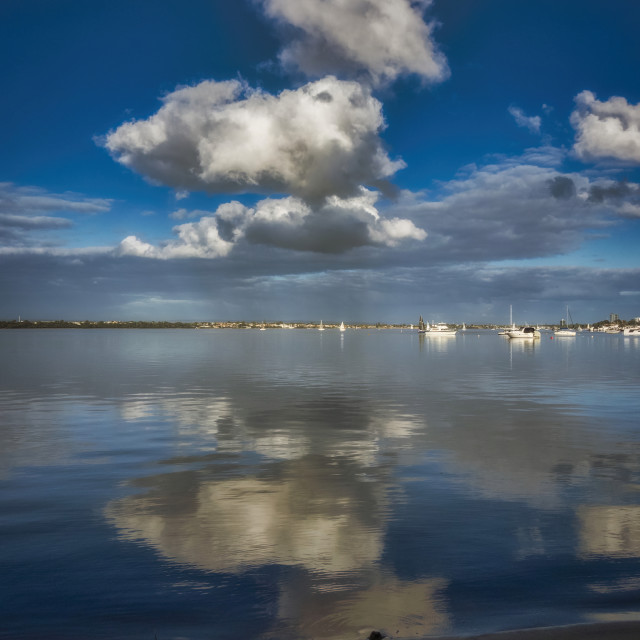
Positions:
(295, 484)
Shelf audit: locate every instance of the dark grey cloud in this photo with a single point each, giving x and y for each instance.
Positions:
(613, 190)
(562, 187)
(260, 282)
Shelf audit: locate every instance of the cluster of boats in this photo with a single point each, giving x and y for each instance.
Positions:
(527, 332)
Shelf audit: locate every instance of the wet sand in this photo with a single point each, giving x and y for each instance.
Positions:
(595, 631)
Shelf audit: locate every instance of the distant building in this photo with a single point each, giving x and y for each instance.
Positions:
(614, 317)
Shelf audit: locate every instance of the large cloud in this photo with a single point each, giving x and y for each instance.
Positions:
(512, 211)
(381, 38)
(608, 129)
(289, 223)
(223, 137)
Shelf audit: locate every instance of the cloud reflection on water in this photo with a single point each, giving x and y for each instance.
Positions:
(344, 469)
(317, 504)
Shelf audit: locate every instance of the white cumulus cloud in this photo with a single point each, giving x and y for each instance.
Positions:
(336, 226)
(609, 129)
(381, 38)
(223, 137)
(194, 240)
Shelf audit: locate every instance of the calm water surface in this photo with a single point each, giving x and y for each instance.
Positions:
(295, 484)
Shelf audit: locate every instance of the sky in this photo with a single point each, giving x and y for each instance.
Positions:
(298, 160)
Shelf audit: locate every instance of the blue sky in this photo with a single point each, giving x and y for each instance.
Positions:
(304, 159)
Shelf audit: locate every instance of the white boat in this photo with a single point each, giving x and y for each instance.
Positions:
(529, 333)
(564, 331)
(441, 329)
(631, 331)
(321, 327)
(342, 328)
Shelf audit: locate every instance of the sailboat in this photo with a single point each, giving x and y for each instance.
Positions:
(342, 326)
(505, 332)
(564, 331)
(320, 328)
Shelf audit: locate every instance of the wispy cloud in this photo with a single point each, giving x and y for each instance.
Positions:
(533, 123)
(27, 211)
(26, 201)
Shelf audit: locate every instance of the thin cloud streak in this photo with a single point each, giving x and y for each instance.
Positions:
(26, 214)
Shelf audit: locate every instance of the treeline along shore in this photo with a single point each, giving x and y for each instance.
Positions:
(242, 324)
(147, 324)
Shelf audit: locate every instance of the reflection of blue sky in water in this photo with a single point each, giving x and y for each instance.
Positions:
(379, 464)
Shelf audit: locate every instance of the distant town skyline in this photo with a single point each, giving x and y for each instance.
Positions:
(297, 159)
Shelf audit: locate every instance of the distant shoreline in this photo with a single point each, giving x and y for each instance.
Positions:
(242, 324)
(142, 324)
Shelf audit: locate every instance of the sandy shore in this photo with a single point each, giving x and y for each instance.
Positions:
(596, 631)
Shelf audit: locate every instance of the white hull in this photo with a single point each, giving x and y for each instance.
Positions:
(564, 333)
(632, 331)
(441, 329)
(528, 333)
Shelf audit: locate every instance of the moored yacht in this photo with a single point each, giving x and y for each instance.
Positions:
(524, 332)
(564, 331)
(441, 329)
